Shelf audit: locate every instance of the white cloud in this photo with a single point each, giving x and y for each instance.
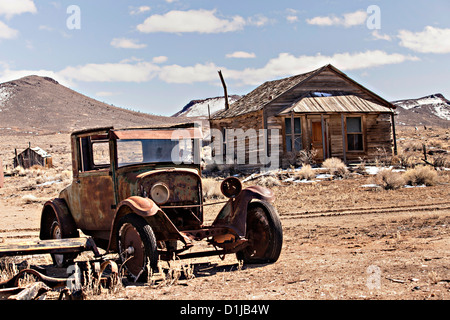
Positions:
(198, 73)
(45, 28)
(10, 8)
(355, 18)
(112, 72)
(138, 71)
(258, 20)
(292, 19)
(160, 59)
(201, 21)
(139, 10)
(241, 55)
(127, 43)
(379, 36)
(284, 65)
(347, 19)
(430, 40)
(7, 32)
(8, 75)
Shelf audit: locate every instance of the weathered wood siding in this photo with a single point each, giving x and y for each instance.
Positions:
(377, 127)
(249, 123)
(377, 136)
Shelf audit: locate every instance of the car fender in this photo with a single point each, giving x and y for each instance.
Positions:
(57, 208)
(234, 213)
(161, 225)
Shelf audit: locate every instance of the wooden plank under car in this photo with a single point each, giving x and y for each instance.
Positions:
(55, 246)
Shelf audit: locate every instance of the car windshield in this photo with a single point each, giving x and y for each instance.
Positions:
(135, 151)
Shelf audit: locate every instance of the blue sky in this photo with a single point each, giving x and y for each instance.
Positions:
(156, 56)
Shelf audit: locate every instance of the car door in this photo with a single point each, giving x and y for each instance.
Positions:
(95, 185)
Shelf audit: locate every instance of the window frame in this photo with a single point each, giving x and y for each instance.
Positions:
(292, 135)
(360, 133)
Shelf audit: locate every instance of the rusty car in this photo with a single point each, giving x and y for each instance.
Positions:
(138, 192)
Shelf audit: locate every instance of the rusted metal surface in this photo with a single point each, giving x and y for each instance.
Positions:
(104, 196)
(234, 213)
(12, 290)
(338, 103)
(192, 133)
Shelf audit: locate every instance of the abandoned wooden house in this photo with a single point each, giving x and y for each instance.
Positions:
(32, 156)
(323, 111)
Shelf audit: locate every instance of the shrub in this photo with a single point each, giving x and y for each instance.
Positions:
(306, 172)
(389, 179)
(268, 181)
(421, 175)
(335, 167)
(211, 189)
(412, 145)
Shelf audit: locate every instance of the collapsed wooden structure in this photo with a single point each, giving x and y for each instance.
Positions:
(323, 110)
(31, 157)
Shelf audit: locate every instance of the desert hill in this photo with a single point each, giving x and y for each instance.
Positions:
(40, 105)
(428, 111)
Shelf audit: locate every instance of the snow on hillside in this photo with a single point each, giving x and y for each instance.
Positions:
(436, 103)
(5, 94)
(199, 108)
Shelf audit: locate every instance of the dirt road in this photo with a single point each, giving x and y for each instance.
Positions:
(384, 255)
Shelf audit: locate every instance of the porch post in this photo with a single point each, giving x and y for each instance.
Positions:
(323, 137)
(344, 147)
(393, 133)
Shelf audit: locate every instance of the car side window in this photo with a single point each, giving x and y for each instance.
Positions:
(94, 153)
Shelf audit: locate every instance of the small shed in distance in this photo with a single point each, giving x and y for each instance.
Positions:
(31, 157)
(1, 174)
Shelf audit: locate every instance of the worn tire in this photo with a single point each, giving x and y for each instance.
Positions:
(264, 233)
(60, 260)
(134, 232)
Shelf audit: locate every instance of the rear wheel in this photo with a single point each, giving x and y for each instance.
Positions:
(264, 234)
(137, 247)
(60, 260)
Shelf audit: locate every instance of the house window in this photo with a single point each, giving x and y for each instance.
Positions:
(293, 130)
(354, 134)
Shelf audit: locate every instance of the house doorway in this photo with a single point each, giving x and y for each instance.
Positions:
(319, 139)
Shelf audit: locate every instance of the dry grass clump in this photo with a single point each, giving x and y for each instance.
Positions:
(421, 175)
(268, 181)
(211, 189)
(29, 198)
(335, 167)
(306, 173)
(412, 145)
(389, 180)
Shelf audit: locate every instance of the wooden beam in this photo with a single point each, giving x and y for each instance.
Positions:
(323, 137)
(344, 144)
(393, 133)
(293, 132)
(227, 105)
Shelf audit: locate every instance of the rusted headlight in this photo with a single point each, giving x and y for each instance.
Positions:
(160, 193)
(231, 187)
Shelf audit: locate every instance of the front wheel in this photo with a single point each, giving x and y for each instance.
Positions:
(137, 247)
(264, 234)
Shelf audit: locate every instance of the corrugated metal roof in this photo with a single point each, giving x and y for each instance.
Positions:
(339, 103)
(41, 152)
